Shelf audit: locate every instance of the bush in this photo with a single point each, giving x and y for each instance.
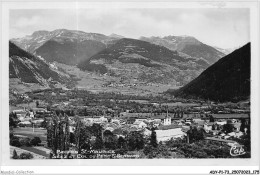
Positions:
(25, 142)
(148, 149)
(200, 149)
(161, 151)
(15, 142)
(26, 156)
(199, 154)
(121, 151)
(35, 141)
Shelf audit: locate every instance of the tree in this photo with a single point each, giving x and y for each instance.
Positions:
(135, 140)
(243, 125)
(53, 133)
(13, 120)
(37, 103)
(162, 151)
(26, 155)
(195, 135)
(98, 143)
(213, 127)
(44, 124)
(72, 138)
(211, 118)
(35, 141)
(66, 133)
(82, 136)
(15, 141)
(228, 128)
(50, 133)
(200, 149)
(25, 142)
(58, 136)
(15, 156)
(245, 140)
(153, 139)
(96, 129)
(121, 142)
(110, 140)
(148, 150)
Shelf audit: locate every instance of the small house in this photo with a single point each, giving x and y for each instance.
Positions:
(140, 124)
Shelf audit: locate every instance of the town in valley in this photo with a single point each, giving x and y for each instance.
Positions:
(49, 122)
(129, 88)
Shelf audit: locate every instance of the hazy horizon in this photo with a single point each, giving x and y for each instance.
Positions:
(223, 28)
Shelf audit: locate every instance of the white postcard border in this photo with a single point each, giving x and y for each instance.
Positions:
(255, 64)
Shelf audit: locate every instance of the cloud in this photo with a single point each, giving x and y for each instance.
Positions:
(27, 22)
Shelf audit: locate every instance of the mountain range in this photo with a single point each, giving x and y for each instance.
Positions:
(129, 58)
(226, 80)
(144, 61)
(72, 46)
(188, 45)
(65, 46)
(169, 60)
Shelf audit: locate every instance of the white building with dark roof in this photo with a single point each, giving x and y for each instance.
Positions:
(165, 135)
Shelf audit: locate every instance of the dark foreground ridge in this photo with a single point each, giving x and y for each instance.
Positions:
(226, 80)
(28, 68)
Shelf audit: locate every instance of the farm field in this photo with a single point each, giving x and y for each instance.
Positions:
(28, 131)
(36, 151)
(180, 104)
(20, 150)
(95, 83)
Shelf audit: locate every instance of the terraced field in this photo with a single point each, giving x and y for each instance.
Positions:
(105, 83)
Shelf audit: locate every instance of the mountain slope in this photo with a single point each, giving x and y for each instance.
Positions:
(69, 52)
(64, 46)
(30, 69)
(226, 80)
(141, 60)
(113, 35)
(32, 42)
(188, 45)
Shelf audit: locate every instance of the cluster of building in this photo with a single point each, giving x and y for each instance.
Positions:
(167, 126)
(29, 118)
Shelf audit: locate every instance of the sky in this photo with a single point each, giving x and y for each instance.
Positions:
(221, 27)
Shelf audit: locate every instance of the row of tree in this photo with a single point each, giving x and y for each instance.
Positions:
(88, 137)
(58, 133)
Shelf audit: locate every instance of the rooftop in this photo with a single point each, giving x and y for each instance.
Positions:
(166, 127)
(220, 140)
(146, 115)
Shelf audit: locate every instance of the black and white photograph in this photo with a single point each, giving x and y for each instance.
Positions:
(125, 84)
(130, 83)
